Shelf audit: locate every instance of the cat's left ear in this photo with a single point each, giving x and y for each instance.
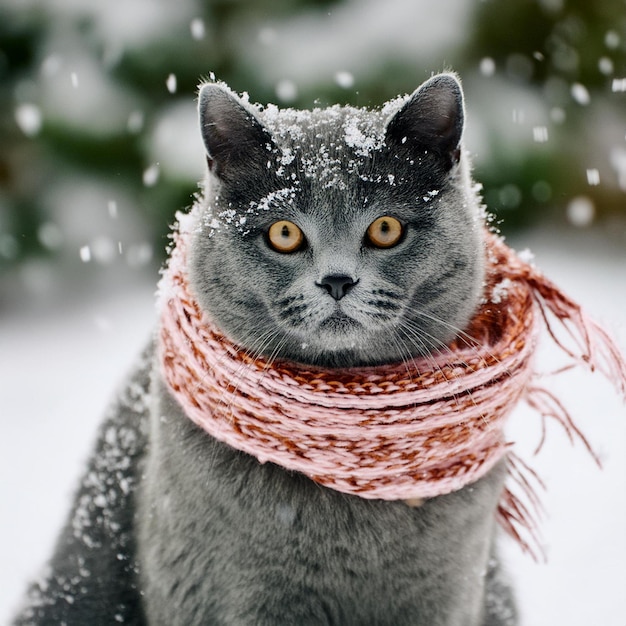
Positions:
(432, 119)
(236, 142)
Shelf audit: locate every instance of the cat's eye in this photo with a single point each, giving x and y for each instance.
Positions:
(285, 236)
(385, 232)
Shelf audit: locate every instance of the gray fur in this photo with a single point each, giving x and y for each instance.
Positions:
(409, 299)
(188, 531)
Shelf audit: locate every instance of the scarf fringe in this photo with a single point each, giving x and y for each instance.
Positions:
(586, 343)
(596, 349)
(520, 515)
(490, 375)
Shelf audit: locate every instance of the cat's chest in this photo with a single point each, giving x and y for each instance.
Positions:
(214, 522)
(190, 473)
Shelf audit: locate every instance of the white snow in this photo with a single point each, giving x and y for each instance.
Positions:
(593, 177)
(500, 291)
(344, 79)
(151, 175)
(618, 85)
(584, 579)
(85, 254)
(540, 134)
(487, 66)
(286, 90)
(60, 365)
(29, 119)
(171, 83)
(612, 39)
(580, 93)
(618, 161)
(580, 211)
(197, 28)
(363, 140)
(606, 65)
(175, 142)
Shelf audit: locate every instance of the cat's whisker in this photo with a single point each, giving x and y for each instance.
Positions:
(469, 342)
(407, 358)
(475, 348)
(259, 342)
(263, 339)
(415, 337)
(411, 335)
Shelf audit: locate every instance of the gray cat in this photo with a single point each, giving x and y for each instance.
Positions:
(334, 237)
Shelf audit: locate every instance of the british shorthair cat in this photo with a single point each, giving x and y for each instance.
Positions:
(333, 238)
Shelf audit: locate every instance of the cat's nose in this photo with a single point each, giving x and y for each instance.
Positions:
(337, 285)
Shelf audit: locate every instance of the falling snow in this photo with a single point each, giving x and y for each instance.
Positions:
(344, 79)
(618, 162)
(618, 85)
(197, 28)
(85, 254)
(286, 90)
(612, 39)
(135, 122)
(151, 175)
(593, 177)
(580, 93)
(50, 236)
(29, 119)
(581, 211)
(112, 209)
(606, 65)
(487, 66)
(171, 83)
(580, 268)
(540, 134)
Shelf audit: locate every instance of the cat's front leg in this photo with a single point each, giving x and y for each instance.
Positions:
(500, 605)
(91, 578)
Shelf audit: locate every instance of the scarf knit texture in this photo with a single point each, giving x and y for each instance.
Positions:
(405, 431)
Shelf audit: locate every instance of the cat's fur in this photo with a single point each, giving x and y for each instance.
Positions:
(170, 526)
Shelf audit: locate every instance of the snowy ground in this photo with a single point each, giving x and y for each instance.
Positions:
(60, 365)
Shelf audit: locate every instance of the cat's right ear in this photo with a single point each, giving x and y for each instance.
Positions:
(431, 120)
(235, 141)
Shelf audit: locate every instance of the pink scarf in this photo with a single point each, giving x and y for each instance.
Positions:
(393, 432)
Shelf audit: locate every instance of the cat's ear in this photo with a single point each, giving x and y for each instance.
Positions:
(432, 119)
(235, 141)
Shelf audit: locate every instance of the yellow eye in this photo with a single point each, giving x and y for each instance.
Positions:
(285, 236)
(384, 232)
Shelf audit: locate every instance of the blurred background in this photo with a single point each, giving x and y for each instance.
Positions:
(99, 147)
(97, 108)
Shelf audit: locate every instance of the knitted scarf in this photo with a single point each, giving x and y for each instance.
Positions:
(405, 431)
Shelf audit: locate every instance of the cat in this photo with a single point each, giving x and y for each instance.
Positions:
(335, 238)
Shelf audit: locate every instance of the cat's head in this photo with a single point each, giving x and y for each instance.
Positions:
(338, 236)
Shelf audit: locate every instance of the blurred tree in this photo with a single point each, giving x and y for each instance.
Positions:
(19, 212)
(47, 51)
(571, 56)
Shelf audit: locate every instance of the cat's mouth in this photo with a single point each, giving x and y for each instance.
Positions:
(339, 322)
